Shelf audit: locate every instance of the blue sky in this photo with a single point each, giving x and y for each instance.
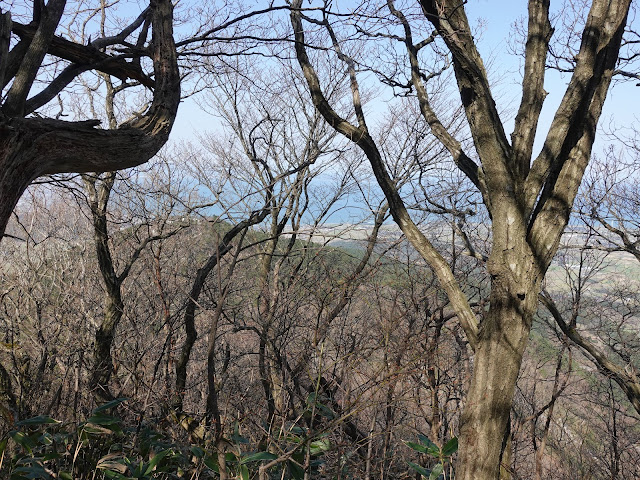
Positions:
(497, 18)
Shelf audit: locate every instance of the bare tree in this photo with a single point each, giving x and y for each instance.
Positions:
(528, 198)
(42, 284)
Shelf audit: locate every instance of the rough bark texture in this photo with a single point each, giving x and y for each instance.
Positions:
(32, 147)
(5, 39)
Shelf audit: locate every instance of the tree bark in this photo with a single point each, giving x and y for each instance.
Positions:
(98, 198)
(103, 363)
(32, 147)
(498, 356)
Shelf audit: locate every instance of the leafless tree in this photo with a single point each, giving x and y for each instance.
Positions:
(528, 198)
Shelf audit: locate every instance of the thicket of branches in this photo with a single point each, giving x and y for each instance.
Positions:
(350, 268)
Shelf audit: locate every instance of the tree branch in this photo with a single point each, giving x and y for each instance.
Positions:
(559, 168)
(450, 20)
(87, 55)
(361, 137)
(582, 103)
(32, 147)
(5, 40)
(533, 93)
(461, 159)
(629, 385)
(30, 64)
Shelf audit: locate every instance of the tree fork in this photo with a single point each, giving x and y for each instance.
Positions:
(33, 147)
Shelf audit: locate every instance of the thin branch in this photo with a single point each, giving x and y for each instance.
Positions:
(88, 55)
(630, 385)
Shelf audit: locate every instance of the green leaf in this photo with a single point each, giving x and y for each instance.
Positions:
(109, 405)
(65, 476)
(425, 440)
(230, 457)
(39, 420)
(23, 440)
(417, 447)
(320, 408)
(432, 451)
(325, 411)
(450, 447)
(45, 439)
(15, 476)
(436, 471)
(432, 448)
(256, 457)
(294, 439)
(244, 472)
(236, 437)
(28, 460)
(3, 445)
(155, 460)
(33, 472)
(51, 456)
(137, 471)
(318, 447)
(211, 463)
(197, 452)
(297, 473)
(421, 470)
(103, 420)
(115, 475)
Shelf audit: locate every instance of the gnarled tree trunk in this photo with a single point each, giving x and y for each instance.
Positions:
(32, 147)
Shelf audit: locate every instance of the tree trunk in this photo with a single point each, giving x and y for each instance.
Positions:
(212, 407)
(32, 147)
(98, 194)
(103, 363)
(501, 343)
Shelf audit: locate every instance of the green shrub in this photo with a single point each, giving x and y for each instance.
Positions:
(442, 455)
